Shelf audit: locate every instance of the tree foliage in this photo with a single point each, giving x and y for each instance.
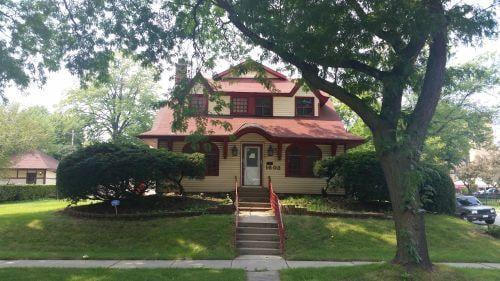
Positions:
(119, 108)
(112, 171)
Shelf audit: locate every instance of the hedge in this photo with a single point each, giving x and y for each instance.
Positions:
(26, 192)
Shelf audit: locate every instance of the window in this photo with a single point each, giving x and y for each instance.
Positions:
(239, 105)
(199, 104)
(300, 160)
(264, 106)
(31, 177)
(304, 106)
(211, 156)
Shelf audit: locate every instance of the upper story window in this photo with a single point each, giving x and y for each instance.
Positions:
(264, 106)
(199, 104)
(239, 105)
(304, 106)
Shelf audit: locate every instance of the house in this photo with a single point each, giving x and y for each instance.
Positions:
(276, 132)
(32, 167)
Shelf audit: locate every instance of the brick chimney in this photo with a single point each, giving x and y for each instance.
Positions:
(180, 71)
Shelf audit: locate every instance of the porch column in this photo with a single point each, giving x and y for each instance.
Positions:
(280, 146)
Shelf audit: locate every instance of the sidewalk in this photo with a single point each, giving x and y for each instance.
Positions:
(248, 262)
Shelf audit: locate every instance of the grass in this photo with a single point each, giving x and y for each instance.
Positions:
(387, 272)
(99, 274)
(317, 203)
(35, 230)
(450, 239)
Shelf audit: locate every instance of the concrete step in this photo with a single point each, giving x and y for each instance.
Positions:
(257, 237)
(258, 251)
(258, 244)
(264, 199)
(258, 224)
(257, 230)
(255, 209)
(255, 204)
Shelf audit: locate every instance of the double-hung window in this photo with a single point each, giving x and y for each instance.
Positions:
(304, 106)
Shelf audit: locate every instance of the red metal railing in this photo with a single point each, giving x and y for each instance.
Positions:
(236, 205)
(276, 206)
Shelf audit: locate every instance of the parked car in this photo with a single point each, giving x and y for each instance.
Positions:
(491, 191)
(471, 209)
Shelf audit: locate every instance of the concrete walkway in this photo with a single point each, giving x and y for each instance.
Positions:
(253, 263)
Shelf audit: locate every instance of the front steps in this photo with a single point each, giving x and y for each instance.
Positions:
(257, 232)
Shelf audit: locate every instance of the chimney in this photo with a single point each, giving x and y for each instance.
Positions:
(180, 71)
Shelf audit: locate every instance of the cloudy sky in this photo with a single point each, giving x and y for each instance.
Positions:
(58, 83)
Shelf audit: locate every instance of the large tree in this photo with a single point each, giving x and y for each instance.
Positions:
(119, 108)
(364, 53)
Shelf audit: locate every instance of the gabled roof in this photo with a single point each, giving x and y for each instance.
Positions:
(281, 85)
(34, 160)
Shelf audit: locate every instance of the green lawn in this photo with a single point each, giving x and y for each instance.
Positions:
(99, 274)
(35, 230)
(387, 272)
(449, 238)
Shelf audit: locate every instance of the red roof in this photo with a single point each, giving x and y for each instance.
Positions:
(34, 160)
(327, 127)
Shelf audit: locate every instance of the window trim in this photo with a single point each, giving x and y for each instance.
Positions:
(248, 99)
(313, 106)
(303, 155)
(271, 105)
(205, 100)
(208, 172)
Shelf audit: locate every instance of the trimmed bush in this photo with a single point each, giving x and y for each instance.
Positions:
(26, 192)
(122, 171)
(359, 173)
(362, 177)
(437, 190)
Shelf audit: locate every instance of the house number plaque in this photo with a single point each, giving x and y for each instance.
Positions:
(273, 167)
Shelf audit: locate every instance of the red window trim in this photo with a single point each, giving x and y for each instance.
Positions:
(205, 100)
(302, 147)
(249, 105)
(272, 105)
(313, 107)
(209, 171)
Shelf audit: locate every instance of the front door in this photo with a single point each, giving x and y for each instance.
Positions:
(251, 165)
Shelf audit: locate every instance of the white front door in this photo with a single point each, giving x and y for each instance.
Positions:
(251, 165)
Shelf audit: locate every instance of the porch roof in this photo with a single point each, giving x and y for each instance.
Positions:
(327, 127)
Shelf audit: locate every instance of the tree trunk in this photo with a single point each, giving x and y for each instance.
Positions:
(402, 181)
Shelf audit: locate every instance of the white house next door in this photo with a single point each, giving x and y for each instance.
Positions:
(251, 165)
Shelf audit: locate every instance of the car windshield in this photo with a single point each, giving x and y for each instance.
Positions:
(469, 201)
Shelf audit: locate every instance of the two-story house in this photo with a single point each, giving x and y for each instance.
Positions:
(277, 132)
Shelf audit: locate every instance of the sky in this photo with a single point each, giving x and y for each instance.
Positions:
(60, 82)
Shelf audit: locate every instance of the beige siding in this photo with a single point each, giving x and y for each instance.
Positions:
(153, 143)
(225, 109)
(285, 106)
(231, 167)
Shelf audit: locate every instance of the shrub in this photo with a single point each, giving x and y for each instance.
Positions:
(494, 231)
(437, 190)
(362, 177)
(119, 171)
(26, 192)
(359, 173)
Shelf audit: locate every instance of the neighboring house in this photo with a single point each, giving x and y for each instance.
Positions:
(33, 167)
(277, 133)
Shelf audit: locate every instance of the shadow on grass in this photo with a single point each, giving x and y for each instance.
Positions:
(47, 234)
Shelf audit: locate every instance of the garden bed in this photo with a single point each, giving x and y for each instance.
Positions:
(154, 206)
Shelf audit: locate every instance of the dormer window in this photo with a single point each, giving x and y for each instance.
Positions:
(239, 105)
(304, 106)
(198, 104)
(264, 106)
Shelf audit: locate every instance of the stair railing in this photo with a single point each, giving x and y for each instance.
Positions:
(276, 206)
(236, 205)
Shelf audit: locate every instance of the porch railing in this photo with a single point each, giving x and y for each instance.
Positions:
(236, 205)
(276, 206)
